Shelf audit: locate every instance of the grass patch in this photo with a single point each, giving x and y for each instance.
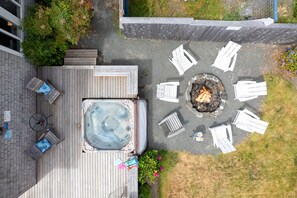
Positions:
(212, 10)
(198, 9)
(288, 18)
(148, 8)
(262, 166)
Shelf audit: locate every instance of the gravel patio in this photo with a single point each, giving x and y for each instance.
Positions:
(154, 67)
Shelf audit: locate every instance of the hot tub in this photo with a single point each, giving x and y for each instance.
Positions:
(108, 124)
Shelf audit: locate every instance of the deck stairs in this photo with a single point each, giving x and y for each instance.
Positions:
(81, 57)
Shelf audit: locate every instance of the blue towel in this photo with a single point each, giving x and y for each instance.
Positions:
(44, 89)
(132, 161)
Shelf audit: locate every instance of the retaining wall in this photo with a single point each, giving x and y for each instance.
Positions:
(254, 31)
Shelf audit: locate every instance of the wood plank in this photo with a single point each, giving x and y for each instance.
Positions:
(80, 61)
(129, 71)
(82, 53)
(66, 171)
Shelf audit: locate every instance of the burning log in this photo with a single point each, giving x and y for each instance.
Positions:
(204, 95)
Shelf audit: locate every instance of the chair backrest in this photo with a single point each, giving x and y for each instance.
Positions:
(171, 125)
(220, 135)
(178, 53)
(222, 132)
(230, 50)
(247, 90)
(52, 138)
(227, 56)
(259, 88)
(182, 60)
(34, 84)
(160, 91)
(167, 91)
(248, 121)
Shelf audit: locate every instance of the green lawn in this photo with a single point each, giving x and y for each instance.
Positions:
(262, 166)
(198, 9)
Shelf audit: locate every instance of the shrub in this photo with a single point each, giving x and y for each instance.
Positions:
(44, 2)
(289, 61)
(52, 26)
(37, 22)
(149, 166)
(144, 191)
(44, 51)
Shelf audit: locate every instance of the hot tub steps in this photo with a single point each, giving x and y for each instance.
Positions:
(116, 81)
(81, 57)
(131, 72)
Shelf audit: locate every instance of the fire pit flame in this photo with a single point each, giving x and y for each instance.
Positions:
(204, 95)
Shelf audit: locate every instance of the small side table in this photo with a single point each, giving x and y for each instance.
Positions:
(38, 122)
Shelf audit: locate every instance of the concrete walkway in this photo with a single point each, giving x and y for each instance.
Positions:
(154, 67)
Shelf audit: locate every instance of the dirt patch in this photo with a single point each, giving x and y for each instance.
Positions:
(233, 5)
(272, 59)
(154, 187)
(177, 7)
(285, 8)
(202, 181)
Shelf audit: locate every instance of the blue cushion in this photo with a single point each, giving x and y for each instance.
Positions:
(43, 145)
(44, 89)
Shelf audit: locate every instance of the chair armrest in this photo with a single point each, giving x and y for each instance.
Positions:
(42, 136)
(229, 131)
(52, 137)
(214, 137)
(246, 98)
(236, 117)
(176, 100)
(248, 112)
(34, 152)
(246, 82)
(192, 59)
(180, 71)
(172, 134)
(231, 67)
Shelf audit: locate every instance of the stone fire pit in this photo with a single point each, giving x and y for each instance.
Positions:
(206, 95)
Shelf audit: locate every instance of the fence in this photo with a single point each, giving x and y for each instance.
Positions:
(253, 31)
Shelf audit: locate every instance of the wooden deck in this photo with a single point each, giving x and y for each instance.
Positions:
(66, 171)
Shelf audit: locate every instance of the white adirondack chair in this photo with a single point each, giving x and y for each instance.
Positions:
(227, 57)
(182, 60)
(171, 125)
(248, 90)
(220, 136)
(167, 91)
(248, 121)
